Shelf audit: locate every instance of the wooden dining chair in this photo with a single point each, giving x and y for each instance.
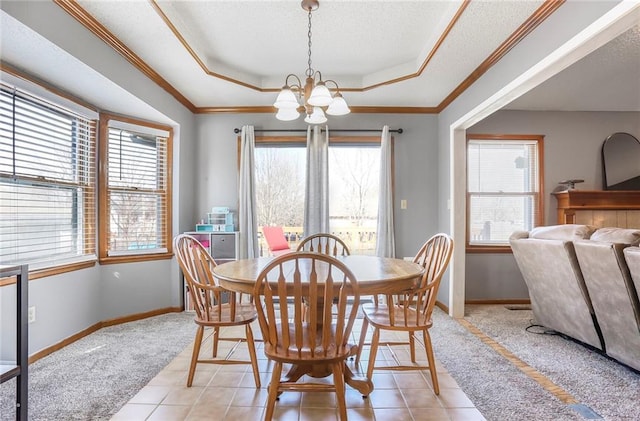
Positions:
(411, 311)
(322, 340)
(324, 243)
(215, 307)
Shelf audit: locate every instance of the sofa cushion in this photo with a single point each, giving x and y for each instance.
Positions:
(566, 232)
(518, 235)
(617, 235)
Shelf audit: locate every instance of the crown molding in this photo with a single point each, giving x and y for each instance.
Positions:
(354, 109)
(539, 16)
(210, 72)
(197, 58)
(89, 22)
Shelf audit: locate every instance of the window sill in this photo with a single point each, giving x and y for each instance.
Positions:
(488, 249)
(43, 273)
(135, 258)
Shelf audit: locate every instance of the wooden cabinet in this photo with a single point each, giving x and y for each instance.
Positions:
(601, 208)
(19, 368)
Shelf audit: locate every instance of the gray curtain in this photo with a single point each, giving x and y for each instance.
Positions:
(247, 196)
(385, 244)
(316, 200)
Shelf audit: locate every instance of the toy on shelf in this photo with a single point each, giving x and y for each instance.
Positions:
(220, 219)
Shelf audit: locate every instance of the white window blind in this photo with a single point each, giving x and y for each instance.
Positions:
(47, 182)
(138, 190)
(503, 187)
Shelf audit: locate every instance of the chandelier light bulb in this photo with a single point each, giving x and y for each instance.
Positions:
(338, 106)
(287, 114)
(317, 117)
(320, 96)
(286, 99)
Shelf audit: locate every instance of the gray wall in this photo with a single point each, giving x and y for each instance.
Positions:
(572, 146)
(572, 143)
(69, 303)
(415, 153)
(488, 94)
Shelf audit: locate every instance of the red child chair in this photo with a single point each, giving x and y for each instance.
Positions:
(276, 241)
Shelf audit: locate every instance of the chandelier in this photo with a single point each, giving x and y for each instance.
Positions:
(317, 98)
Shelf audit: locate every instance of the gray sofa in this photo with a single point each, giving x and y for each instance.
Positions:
(612, 291)
(580, 284)
(559, 297)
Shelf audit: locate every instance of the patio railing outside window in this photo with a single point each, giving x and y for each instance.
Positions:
(354, 165)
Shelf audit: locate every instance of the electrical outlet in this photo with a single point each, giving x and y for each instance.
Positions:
(403, 204)
(32, 314)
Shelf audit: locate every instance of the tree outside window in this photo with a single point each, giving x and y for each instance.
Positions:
(353, 189)
(135, 206)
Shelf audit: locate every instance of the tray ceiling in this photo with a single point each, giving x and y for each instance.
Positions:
(387, 56)
(381, 53)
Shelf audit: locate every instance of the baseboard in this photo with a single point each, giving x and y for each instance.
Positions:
(93, 328)
(140, 316)
(442, 306)
(507, 301)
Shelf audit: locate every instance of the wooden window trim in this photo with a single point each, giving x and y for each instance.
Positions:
(332, 140)
(302, 140)
(103, 208)
(87, 180)
(506, 249)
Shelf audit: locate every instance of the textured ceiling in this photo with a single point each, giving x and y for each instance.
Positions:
(606, 80)
(409, 55)
(237, 53)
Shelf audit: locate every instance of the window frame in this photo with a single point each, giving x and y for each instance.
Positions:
(265, 141)
(539, 219)
(57, 103)
(103, 189)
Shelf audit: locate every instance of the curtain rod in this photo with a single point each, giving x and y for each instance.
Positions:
(237, 130)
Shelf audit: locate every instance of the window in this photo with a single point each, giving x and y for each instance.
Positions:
(354, 183)
(354, 164)
(280, 183)
(135, 181)
(47, 184)
(504, 188)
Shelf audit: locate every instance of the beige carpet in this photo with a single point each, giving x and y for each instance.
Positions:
(566, 379)
(94, 377)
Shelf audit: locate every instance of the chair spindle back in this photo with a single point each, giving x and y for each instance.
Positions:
(294, 281)
(324, 243)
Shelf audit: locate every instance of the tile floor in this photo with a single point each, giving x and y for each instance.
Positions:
(227, 392)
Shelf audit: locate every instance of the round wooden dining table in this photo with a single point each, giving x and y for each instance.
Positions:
(375, 275)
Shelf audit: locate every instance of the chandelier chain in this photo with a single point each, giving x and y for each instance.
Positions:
(309, 69)
(314, 94)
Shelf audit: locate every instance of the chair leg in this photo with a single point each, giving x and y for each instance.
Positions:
(372, 352)
(216, 337)
(195, 354)
(273, 391)
(363, 334)
(412, 347)
(432, 361)
(338, 381)
(252, 354)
